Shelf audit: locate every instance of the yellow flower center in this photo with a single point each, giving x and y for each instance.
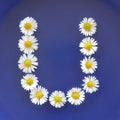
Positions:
(90, 84)
(87, 26)
(57, 99)
(75, 95)
(28, 44)
(88, 46)
(39, 95)
(88, 64)
(27, 63)
(28, 26)
(29, 81)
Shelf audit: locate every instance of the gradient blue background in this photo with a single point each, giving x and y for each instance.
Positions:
(59, 58)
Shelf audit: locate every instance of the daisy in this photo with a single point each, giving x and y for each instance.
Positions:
(39, 95)
(91, 84)
(28, 26)
(28, 63)
(87, 26)
(88, 46)
(29, 81)
(88, 65)
(75, 96)
(28, 44)
(57, 99)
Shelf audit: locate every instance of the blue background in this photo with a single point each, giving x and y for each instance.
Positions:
(59, 58)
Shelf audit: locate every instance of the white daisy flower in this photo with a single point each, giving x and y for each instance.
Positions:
(88, 46)
(88, 65)
(29, 81)
(75, 96)
(39, 95)
(57, 99)
(28, 44)
(87, 26)
(28, 63)
(91, 84)
(28, 26)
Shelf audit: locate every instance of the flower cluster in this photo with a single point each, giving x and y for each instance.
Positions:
(28, 63)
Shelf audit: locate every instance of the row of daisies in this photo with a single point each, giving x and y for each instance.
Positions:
(89, 46)
(28, 63)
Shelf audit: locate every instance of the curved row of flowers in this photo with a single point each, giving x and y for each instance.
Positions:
(28, 63)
